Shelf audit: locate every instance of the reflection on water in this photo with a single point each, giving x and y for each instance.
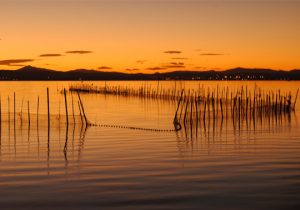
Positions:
(65, 136)
(219, 163)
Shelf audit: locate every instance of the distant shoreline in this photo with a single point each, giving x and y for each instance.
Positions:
(30, 73)
(120, 80)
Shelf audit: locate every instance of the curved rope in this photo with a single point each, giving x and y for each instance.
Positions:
(176, 125)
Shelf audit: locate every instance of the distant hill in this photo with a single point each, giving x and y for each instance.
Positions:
(34, 73)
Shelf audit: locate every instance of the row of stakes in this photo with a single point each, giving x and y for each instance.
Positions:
(238, 106)
(83, 117)
(206, 103)
(194, 106)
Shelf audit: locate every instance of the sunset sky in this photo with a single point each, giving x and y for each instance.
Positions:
(148, 36)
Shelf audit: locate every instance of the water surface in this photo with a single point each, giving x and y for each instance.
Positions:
(222, 167)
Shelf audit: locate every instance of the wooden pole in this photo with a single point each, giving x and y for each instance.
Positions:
(191, 114)
(28, 113)
(37, 111)
(73, 109)
(8, 101)
(196, 104)
(296, 99)
(80, 113)
(66, 105)
(178, 105)
(21, 114)
(0, 122)
(48, 108)
(0, 113)
(221, 106)
(59, 110)
(204, 111)
(14, 108)
(85, 118)
(181, 110)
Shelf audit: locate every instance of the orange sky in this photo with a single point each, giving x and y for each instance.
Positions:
(149, 36)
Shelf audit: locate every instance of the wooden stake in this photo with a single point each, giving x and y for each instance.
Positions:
(85, 118)
(28, 113)
(37, 111)
(48, 108)
(66, 105)
(178, 105)
(80, 113)
(73, 109)
(0, 113)
(296, 99)
(221, 107)
(8, 101)
(14, 108)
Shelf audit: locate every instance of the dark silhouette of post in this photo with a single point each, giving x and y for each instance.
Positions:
(73, 110)
(14, 108)
(48, 107)
(66, 105)
(178, 105)
(28, 114)
(37, 111)
(85, 118)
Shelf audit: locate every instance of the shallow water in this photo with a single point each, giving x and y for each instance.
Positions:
(216, 166)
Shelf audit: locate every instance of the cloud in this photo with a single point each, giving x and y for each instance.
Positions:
(211, 54)
(51, 55)
(174, 65)
(177, 63)
(104, 68)
(200, 67)
(180, 58)
(18, 65)
(12, 62)
(79, 52)
(156, 68)
(173, 52)
(141, 61)
(132, 69)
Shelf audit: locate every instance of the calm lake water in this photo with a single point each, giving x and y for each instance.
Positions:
(223, 167)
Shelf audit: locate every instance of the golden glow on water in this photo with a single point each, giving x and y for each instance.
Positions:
(127, 161)
(129, 168)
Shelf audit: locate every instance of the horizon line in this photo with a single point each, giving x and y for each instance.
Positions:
(153, 72)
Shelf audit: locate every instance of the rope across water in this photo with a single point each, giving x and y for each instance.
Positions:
(176, 125)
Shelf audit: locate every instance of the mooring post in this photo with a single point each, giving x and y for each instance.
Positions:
(14, 108)
(48, 107)
(28, 114)
(85, 118)
(37, 111)
(66, 105)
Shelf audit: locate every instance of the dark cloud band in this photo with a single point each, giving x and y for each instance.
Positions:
(175, 66)
(156, 68)
(173, 52)
(14, 61)
(104, 68)
(50, 55)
